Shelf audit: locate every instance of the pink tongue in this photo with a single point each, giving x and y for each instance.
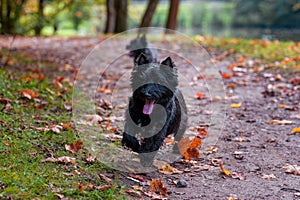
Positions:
(148, 107)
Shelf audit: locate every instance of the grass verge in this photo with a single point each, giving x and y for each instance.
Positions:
(35, 124)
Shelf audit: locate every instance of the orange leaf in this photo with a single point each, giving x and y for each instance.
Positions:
(240, 60)
(226, 76)
(29, 94)
(157, 186)
(296, 130)
(202, 133)
(225, 171)
(199, 95)
(232, 86)
(189, 149)
(196, 142)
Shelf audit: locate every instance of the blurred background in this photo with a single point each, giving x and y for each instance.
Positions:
(266, 19)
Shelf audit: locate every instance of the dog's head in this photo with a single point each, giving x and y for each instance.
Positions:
(153, 83)
(140, 45)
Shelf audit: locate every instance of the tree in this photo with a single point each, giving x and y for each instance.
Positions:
(40, 14)
(121, 15)
(172, 16)
(110, 16)
(116, 16)
(10, 13)
(148, 15)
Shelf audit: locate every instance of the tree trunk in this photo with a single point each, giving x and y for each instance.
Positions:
(121, 15)
(146, 21)
(173, 13)
(110, 16)
(40, 24)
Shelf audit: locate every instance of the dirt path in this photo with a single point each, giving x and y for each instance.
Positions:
(255, 144)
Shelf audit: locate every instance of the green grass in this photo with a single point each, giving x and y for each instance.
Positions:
(22, 147)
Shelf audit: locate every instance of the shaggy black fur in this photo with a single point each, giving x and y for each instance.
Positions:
(153, 84)
(141, 45)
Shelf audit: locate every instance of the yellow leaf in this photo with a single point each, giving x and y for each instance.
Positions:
(281, 105)
(296, 130)
(236, 105)
(225, 171)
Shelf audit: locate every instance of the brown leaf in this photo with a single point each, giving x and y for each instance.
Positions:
(134, 193)
(67, 107)
(91, 159)
(270, 176)
(60, 196)
(168, 169)
(237, 175)
(104, 187)
(75, 147)
(103, 177)
(50, 159)
(157, 186)
(137, 177)
(66, 159)
(29, 94)
(292, 169)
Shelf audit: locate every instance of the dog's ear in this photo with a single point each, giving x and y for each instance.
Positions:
(141, 60)
(168, 62)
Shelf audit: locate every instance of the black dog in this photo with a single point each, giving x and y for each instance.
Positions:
(156, 108)
(140, 45)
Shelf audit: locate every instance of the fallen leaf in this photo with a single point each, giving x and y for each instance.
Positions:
(225, 171)
(60, 196)
(240, 60)
(74, 147)
(236, 105)
(137, 177)
(54, 128)
(168, 169)
(66, 159)
(67, 107)
(226, 76)
(268, 176)
(201, 132)
(240, 139)
(134, 193)
(103, 177)
(292, 169)
(157, 186)
(104, 187)
(189, 149)
(200, 95)
(81, 187)
(295, 81)
(91, 159)
(296, 130)
(237, 175)
(50, 159)
(29, 94)
(279, 122)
